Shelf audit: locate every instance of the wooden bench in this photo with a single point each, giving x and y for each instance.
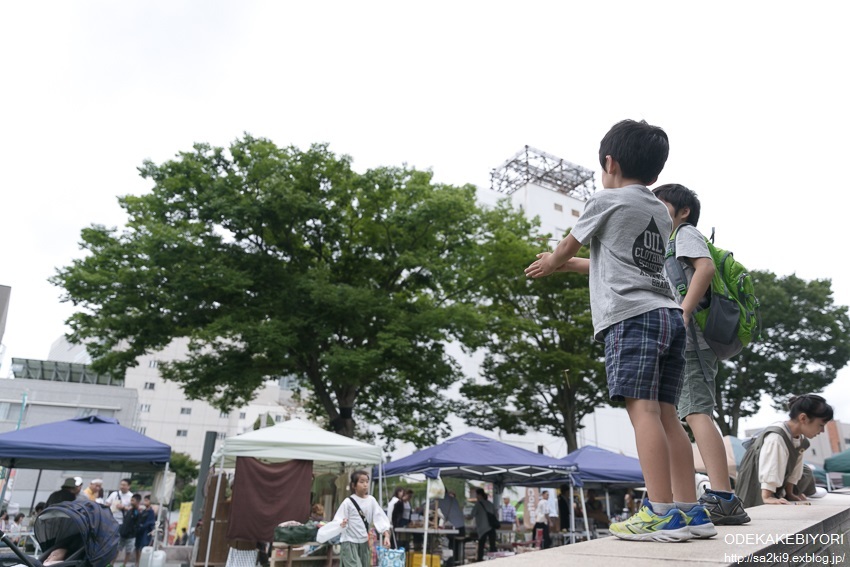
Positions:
(286, 554)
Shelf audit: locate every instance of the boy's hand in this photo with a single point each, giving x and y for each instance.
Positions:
(687, 318)
(387, 538)
(343, 523)
(540, 267)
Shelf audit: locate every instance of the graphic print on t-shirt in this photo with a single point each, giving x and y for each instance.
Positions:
(648, 254)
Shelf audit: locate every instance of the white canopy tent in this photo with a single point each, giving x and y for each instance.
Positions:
(295, 439)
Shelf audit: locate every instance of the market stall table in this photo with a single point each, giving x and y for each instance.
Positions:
(430, 532)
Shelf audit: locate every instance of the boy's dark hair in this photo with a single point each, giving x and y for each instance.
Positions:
(127, 480)
(355, 477)
(137, 497)
(640, 148)
(680, 197)
(480, 493)
(812, 405)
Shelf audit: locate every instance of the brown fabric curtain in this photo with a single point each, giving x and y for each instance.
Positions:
(264, 495)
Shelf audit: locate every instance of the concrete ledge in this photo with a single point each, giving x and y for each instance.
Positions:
(818, 534)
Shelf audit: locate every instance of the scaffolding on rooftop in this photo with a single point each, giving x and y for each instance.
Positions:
(531, 165)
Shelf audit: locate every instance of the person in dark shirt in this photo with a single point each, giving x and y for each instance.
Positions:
(68, 492)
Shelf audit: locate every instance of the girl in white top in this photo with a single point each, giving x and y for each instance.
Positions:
(354, 540)
(809, 414)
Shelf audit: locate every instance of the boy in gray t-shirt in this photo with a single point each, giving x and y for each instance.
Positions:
(697, 402)
(635, 315)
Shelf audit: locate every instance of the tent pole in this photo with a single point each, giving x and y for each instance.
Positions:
(427, 510)
(572, 513)
(211, 527)
(381, 494)
(35, 492)
(159, 510)
(584, 513)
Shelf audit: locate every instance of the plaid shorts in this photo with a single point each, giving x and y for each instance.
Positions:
(645, 356)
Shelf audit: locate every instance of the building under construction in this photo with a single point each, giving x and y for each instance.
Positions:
(545, 186)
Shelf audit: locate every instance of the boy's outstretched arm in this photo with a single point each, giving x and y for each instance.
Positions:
(562, 259)
(703, 274)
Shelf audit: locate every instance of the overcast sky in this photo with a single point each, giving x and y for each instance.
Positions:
(753, 96)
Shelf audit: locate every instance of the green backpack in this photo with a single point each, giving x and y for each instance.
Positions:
(729, 313)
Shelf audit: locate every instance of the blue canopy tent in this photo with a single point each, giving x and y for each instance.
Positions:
(603, 466)
(85, 443)
(597, 465)
(475, 457)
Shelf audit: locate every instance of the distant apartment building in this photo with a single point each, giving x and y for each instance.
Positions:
(165, 413)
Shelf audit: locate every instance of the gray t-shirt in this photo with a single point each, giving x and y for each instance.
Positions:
(627, 229)
(691, 244)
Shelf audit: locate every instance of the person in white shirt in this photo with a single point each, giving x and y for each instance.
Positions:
(356, 515)
(541, 518)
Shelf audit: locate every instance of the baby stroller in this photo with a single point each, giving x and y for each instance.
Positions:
(85, 530)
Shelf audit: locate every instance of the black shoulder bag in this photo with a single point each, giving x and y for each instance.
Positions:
(359, 511)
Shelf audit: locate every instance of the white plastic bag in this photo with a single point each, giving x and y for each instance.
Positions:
(328, 531)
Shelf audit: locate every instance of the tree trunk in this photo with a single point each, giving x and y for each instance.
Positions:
(343, 423)
(344, 426)
(570, 437)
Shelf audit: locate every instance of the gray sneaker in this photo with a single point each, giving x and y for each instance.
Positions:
(724, 509)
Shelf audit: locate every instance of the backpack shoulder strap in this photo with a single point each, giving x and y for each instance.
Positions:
(674, 270)
(359, 511)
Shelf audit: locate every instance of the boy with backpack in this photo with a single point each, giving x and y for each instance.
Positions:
(696, 405)
(635, 315)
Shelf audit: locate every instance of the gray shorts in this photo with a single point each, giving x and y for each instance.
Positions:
(127, 544)
(698, 391)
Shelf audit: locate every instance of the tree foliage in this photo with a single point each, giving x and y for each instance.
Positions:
(804, 343)
(186, 471)
(276, 261)
(542, 370)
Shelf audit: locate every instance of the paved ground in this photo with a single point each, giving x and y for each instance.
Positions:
(823, 539)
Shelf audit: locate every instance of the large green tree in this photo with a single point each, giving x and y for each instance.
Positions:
(542, 370)
(805, 341)
(276, 261)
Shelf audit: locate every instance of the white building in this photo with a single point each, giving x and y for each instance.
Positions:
(167, 415)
